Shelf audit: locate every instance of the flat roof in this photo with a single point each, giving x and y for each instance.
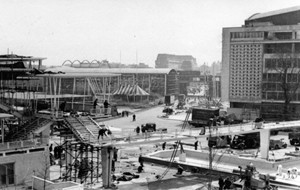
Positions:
(78, 74)
(37, 95)
(22, 59)
(67, 69)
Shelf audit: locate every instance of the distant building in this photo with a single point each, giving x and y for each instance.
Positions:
(193, 83)
(178, 62)
(250, 53)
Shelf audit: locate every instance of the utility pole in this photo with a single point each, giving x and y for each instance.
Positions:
(210, 157)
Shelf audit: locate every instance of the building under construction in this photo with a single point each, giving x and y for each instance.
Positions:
(34, 100)
(31, 104)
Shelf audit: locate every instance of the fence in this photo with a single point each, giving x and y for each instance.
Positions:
(100, 111)
(21, 144)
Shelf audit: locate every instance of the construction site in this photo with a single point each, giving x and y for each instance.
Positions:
(79, 128)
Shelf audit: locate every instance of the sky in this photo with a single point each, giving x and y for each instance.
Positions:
(126, 31)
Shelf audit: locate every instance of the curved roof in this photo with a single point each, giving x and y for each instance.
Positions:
(67, 70)
(273, 13)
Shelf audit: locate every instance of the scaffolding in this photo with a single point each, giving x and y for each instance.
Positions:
(80, 162)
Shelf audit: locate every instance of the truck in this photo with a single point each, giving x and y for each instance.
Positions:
(277, 144)
(202, 117)
(294, 138)
(218, 141)
(246, 141)
(149, 127)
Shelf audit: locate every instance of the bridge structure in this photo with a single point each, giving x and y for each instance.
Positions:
(128, 138)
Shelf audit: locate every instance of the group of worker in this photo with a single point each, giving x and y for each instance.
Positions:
(105, 105)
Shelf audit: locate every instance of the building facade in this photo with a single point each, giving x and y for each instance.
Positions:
(252, 58)
(193, 83)
(177, 62)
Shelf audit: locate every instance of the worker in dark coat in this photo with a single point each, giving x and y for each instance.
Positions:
(164, 145)
(227, 183)
(196, 144)
(141, 160)
(95, 103)
(137, 130)
(62, 106)
(105, 104)
(101, 133)
(221, 183)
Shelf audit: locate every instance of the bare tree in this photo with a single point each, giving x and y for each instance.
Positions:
(44, 171)
(283, 70)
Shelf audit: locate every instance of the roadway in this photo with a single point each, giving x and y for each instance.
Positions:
(124, 127)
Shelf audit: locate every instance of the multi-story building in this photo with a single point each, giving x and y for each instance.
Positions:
(178, 62)
(250, 55)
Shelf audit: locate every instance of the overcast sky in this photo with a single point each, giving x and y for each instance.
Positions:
(126, 30)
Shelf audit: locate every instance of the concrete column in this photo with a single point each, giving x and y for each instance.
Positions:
(264, 143)
(106, 160)
(2, 130)
(165, 85)
(45, 134)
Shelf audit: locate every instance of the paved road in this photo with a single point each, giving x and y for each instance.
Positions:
(126, 124)
(147, 116)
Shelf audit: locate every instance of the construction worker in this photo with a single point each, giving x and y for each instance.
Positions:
(164, 145)
(62, 106)
(95, 103)
(179, 170)
(196, 144)
(137, 130)
(105, 104)
(101, 133)
(141, 160)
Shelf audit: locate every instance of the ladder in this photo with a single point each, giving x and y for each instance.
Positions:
(186, 120)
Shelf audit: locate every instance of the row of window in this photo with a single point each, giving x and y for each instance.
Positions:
(278, 96)
(235, 35)
(243, 77)
(243, 63)
(245, 51)
(282, 63)
(246, 69)
(246, 58)
(244, 92)
(244, 89)
(245, 45)
(239, 95)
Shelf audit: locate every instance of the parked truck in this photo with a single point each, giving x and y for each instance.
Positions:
(203, 116)
(219, 141)
(246, 141)
(294, 138)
